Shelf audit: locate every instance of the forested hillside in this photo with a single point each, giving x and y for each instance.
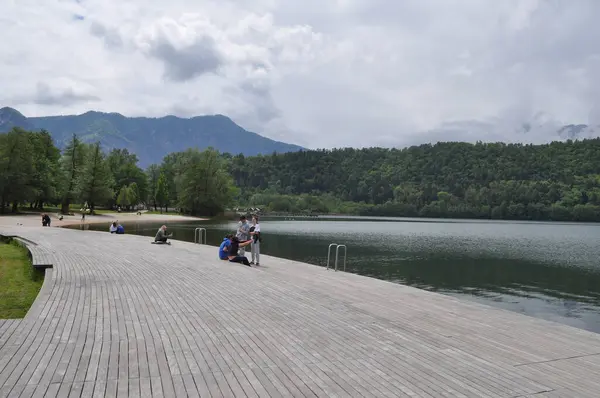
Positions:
(558, 181)
(35, 174)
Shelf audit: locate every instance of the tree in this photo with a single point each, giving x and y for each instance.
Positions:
(95, 181)
(125, 171)
(153, 172)
(125, 197)
(71, 166)
(16, 168)
(206, 187)
(162, 192)
(45, 176)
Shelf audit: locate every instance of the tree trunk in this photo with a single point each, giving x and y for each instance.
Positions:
(64, 209)
(15, 207)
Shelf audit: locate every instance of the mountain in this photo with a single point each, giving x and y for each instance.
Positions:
(10, 118)
(578, 131)
(149, 138)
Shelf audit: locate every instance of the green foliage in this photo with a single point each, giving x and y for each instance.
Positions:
(16, 168)
(557, 181)
(127, 196)
(28, 169)
(153, 172)
(45, 175)
(161, 197)
(126, 173)
(204, 187)
(95, 182)
(71, 167)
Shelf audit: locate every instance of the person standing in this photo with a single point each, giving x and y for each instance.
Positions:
(255, 246)
(243, 233)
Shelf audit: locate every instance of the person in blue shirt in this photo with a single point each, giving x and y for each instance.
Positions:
(224, 248)
(120, 229)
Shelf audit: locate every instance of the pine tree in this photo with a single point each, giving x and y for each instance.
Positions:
(95, 181)
(71, 166)
(46, 158)
(16, 168)
(162, 192)
(153, 172)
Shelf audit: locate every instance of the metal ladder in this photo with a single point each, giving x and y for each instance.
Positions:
(200, 235)
(337, 254)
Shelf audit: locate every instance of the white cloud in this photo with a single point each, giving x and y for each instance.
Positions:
(317, 73)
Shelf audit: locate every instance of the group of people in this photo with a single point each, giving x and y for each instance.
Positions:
(233, 246)
(116, 228)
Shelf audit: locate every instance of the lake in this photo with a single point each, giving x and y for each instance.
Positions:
(546, 270)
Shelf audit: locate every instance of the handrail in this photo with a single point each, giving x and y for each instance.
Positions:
(337, 249)
(337, 255)
(200, 235)
(329, 253)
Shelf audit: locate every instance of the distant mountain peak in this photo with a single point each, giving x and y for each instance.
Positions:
(10, 117)
(8, 110)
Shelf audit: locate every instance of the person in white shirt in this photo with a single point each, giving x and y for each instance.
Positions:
(255, 247)
(113, 228)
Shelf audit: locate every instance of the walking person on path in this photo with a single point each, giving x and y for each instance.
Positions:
(255, 246)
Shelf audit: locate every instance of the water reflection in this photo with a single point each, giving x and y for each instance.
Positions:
(546, 270)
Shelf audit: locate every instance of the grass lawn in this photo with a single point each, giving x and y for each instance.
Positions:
(20, 283)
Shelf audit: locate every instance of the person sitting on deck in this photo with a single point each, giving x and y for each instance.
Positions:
(233, 254)
(120, 229)
(161, 235)
(113, 228)
(224, 248)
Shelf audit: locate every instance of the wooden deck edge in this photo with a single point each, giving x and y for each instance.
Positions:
(41, 300)
(27, 244)
(38, 304)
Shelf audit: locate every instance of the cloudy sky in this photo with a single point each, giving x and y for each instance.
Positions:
(319, 73)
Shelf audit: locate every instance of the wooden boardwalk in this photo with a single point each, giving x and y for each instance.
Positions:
(118, 316)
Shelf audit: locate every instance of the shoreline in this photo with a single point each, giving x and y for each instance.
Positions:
(34, 220)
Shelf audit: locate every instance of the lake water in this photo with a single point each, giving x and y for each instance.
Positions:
(546, 270)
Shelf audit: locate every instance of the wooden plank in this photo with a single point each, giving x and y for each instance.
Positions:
(173, 321)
